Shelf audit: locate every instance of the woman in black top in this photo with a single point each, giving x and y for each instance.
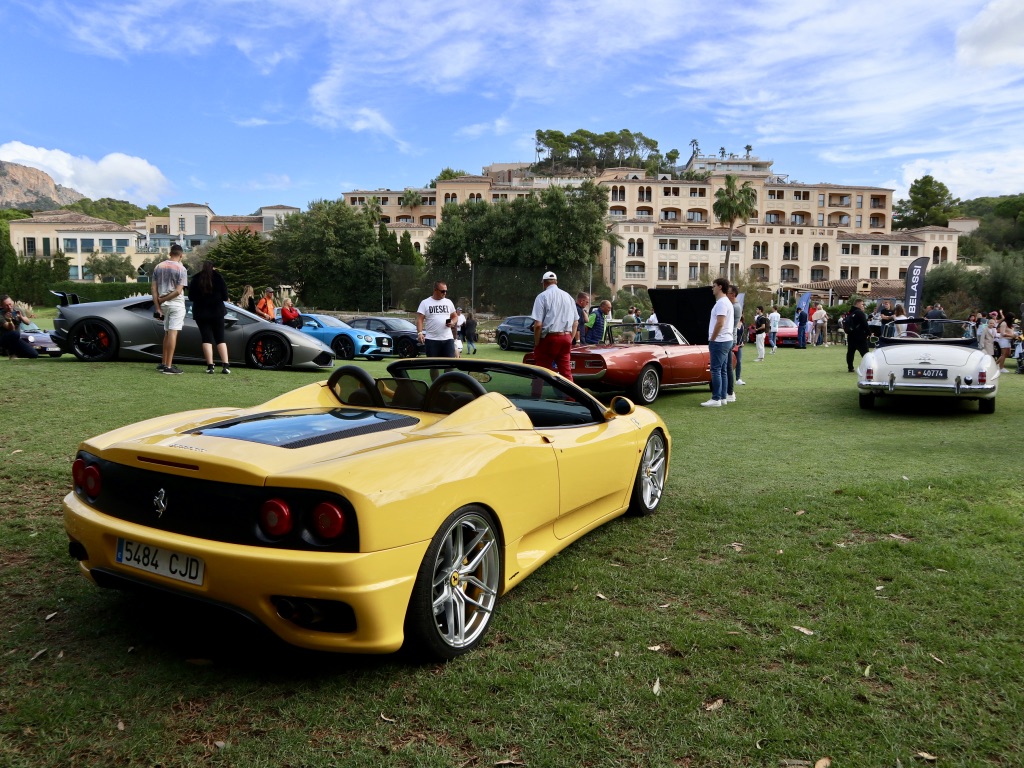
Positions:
(248, 300)
(208, 293)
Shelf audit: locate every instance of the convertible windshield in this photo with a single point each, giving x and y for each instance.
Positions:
(921, 330)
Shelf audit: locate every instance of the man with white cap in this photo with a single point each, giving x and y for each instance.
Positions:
(555, 321)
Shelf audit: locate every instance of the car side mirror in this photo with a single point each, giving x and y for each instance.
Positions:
(622, 406)
(230, 320)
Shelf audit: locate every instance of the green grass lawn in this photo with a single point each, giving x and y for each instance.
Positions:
(894, 536)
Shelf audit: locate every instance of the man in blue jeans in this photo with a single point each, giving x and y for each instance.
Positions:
(720, 341)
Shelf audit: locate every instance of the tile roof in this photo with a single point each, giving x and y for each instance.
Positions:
(886, 237)
(71, 221)
(880, 289)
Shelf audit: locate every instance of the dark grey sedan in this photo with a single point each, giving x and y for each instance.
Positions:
(515, 332)
(126, 329)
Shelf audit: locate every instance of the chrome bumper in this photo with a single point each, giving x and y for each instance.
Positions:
(956, 387)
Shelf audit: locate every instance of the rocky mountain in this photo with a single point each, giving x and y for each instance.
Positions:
(32, 189)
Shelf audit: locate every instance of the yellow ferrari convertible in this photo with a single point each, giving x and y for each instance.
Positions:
(363, 515)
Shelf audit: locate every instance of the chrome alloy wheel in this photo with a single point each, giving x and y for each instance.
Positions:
(464, 585)
(650, 476)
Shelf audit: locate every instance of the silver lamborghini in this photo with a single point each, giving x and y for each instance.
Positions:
(126, 330)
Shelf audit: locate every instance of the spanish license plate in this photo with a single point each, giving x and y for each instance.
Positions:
(924, 373)
(164, 562)
(572, 365)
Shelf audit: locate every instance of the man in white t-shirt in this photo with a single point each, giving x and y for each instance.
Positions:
(720, 342)
(436, 321)
(773, 327)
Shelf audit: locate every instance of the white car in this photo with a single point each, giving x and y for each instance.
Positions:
(929, 357)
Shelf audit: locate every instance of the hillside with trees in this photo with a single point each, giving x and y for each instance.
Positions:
(582, 150)
(119, 211)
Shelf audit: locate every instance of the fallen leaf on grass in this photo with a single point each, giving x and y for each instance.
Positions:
(219, 744)
(616, 565)
(906, 478)
(825, 762)
(867, 671)
(760, 743)
(657, 686)
(737, 546)
(712, 706)
(17, 451)
(879, 589)
(899, 537)
(800, 512)
(120, 725)
(616, 654)
(805, 630)
(937, 659)
(657, 647)
(386, 719)
(509, 762)
(50, 616)
(794, 763)
(601, 597)
(60, 655)
(38, 654)
(665, 605)
(926, 756)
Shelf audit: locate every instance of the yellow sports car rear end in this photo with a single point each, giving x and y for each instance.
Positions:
(344, 520)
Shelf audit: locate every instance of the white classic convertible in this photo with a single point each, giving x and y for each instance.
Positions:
(929, 357)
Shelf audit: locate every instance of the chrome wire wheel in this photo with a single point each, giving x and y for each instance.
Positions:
(457, 588)
(650, 476)
(648, 384)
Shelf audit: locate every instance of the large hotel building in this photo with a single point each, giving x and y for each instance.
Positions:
(800, 234)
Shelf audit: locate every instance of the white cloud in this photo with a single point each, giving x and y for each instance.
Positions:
(252, 122)
(116, 175)
(970, 174)
(497, 127)
(993, 38)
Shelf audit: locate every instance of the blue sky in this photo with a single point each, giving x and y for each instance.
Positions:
(241, 104)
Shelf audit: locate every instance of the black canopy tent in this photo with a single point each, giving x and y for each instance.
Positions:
(688, 309)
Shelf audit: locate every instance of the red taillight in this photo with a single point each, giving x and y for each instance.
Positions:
(869, 374)
(92, 481)
(982, 377)
(78, 472)
(275, 518)
(328, 520)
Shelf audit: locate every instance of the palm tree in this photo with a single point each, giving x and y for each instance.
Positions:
(695, 147)
(748, 147)
(734, 203)
(411, 199)
(721, 152)
(372, 210)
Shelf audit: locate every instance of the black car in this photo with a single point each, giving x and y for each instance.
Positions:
(515, 332)
(402, 332)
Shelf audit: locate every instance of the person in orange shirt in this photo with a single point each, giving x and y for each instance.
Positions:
(265, 306)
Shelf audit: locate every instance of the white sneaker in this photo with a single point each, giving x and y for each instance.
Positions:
(713, 403)
(730, 398)
(740, 381)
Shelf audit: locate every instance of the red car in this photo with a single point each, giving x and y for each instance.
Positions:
(640, 360)
(786, 336)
